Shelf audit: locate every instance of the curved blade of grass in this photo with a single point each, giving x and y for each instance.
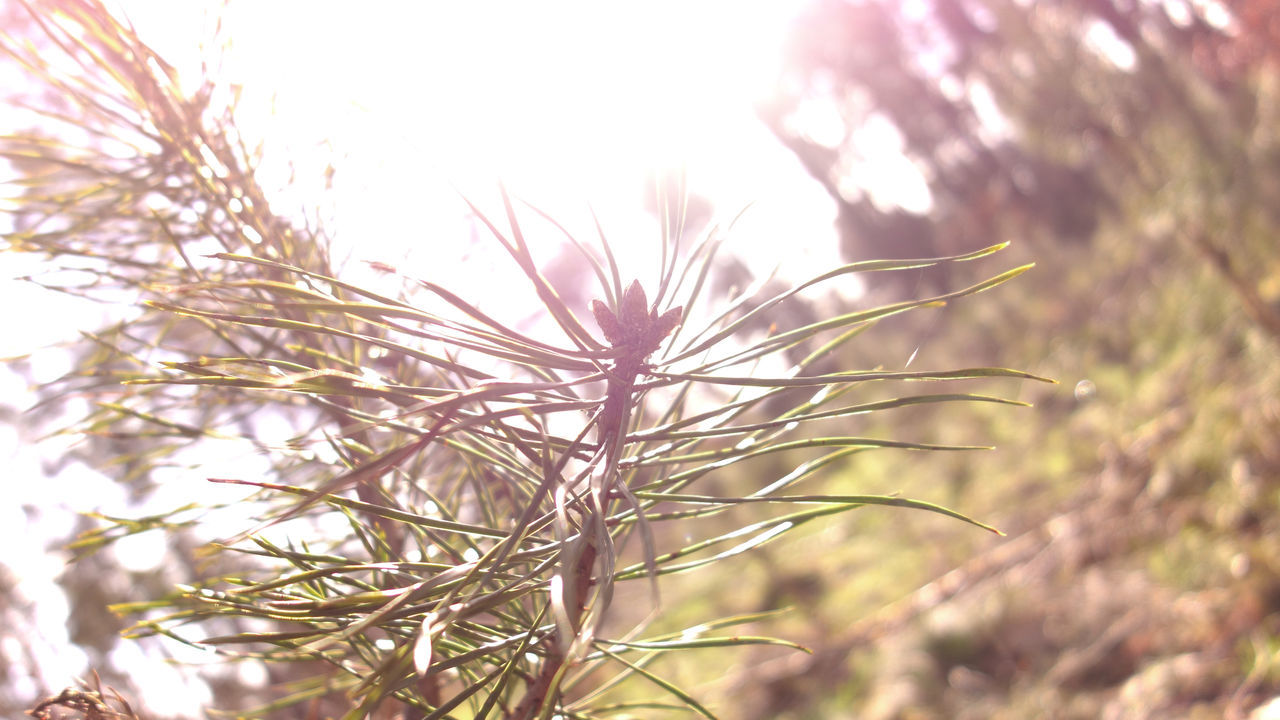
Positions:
(853, 376)
(763, 531)
(391, 513)
(659, 434)
(791, 337)
(591, 258)
(684, 697)
(853, 500)
(859, 267)
(701, 643)
(317, 329)
(764, 449)
(519, 251)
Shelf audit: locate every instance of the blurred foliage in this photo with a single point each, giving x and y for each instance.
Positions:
(515, 500)
(1131, 149)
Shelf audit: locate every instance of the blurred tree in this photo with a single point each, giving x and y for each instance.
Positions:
(1131, 148)
(1034, 119)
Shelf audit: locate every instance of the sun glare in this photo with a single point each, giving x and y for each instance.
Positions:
(567, 103)
(562, 97)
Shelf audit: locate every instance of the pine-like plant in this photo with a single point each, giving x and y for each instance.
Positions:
(509, 486)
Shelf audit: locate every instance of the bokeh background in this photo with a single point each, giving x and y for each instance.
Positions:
(1130, 148)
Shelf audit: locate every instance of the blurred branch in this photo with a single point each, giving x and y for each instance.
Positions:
(1265, 315)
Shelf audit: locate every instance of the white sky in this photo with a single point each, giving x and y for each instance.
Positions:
(569, 103)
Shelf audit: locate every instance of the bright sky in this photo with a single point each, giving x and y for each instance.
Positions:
(569, 103)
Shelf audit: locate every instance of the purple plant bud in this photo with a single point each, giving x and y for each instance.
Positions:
(664, 324)
(607, 322)
(634, 313)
